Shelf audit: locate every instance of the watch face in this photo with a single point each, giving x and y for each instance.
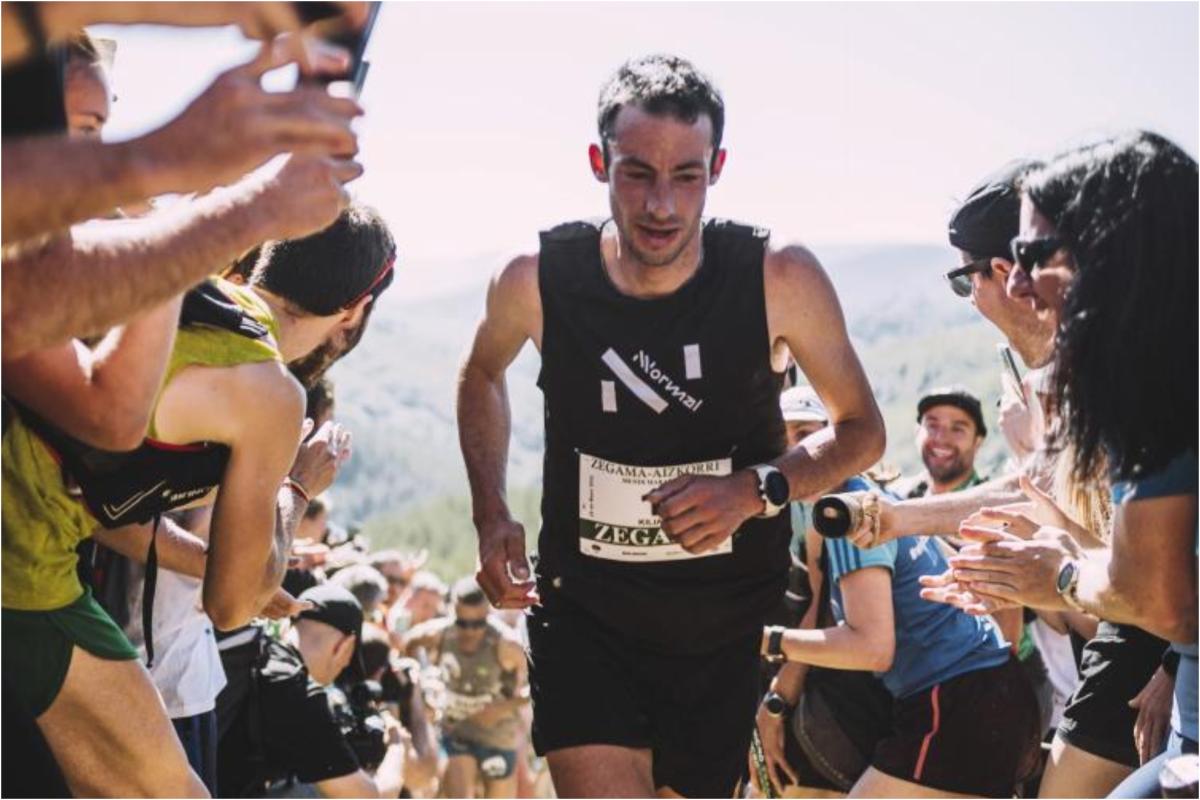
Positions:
(775, 487)
(1065, 576)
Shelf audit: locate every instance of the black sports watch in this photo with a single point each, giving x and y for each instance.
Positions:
(774, 653)
(773, 488)
(776, 705)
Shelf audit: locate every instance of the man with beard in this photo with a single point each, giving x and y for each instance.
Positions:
(950, 431)
(665, 339)
(228, 416)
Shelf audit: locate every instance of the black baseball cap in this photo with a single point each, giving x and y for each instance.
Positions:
(986, 222)
(956, 396)
(336, 607)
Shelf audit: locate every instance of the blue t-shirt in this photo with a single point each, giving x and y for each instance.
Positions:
(1180, 476)
(934, 641)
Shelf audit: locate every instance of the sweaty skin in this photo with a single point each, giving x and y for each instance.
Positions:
(658, 170)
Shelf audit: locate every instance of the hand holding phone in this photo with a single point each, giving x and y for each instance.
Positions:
(1011, 376)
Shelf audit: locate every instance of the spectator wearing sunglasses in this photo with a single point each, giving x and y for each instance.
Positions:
(982, 230)
(1108, 246)
(484, 670)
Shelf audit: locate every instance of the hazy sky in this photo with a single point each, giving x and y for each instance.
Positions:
(847, 122)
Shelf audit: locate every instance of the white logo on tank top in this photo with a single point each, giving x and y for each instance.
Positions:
(659, 380)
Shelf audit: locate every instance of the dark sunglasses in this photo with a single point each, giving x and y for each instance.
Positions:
(1028, 254)
(960, 279)
(471, 624)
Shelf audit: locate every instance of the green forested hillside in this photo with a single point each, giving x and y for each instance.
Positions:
(406, 484)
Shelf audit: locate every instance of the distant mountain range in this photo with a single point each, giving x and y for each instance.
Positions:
(396, 391)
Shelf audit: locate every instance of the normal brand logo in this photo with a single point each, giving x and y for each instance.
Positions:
(649, 392)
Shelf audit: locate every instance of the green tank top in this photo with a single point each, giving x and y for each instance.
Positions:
(43, 520)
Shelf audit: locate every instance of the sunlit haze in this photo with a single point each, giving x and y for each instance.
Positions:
(847, 122)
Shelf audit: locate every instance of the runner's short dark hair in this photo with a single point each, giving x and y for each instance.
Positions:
(332, 269)
(661, 85)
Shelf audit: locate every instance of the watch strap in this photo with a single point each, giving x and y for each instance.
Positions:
(775, 644)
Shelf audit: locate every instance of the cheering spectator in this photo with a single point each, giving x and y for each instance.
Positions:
(1108, 246)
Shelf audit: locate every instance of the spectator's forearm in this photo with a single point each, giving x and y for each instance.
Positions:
(940, 515)
(178, 550)
(51, 182)
(119, 269)
(289, 512)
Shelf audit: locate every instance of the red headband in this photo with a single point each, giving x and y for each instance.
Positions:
(383, 273)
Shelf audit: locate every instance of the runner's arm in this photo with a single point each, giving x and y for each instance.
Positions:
(101, 396)
(512, 659)
(484, 416)
(803, 311)
(867, 640)
(511, 317)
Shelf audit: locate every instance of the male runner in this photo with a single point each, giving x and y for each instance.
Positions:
(483, 667)
(664, 340)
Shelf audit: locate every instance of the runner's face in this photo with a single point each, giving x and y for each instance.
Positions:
(472, 615)
(658, 174)
(948, 442)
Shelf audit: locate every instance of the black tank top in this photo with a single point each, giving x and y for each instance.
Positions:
(634, 383)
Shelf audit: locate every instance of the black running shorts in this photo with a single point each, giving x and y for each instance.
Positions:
(592, 685)
(975, 734)
(1115, 666)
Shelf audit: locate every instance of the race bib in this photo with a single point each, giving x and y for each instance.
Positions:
(616, 524)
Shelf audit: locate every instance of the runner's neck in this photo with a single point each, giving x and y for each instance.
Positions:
(636, 279)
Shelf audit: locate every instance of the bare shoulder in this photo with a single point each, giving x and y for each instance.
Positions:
(794, 267)
(514, 302)
(228, 404)
(275, 391)
(515, 284)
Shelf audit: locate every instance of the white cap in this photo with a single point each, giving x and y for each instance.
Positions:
(801, 404)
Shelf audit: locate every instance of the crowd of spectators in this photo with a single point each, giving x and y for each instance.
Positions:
(183, 617)
(1080, 559)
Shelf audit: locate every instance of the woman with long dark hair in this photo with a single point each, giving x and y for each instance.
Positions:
(1108, 249)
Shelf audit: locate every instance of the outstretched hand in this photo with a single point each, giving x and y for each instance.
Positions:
(1000, 570)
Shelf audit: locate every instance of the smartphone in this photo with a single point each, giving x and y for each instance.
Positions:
(1009, 365)
(356, 43)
